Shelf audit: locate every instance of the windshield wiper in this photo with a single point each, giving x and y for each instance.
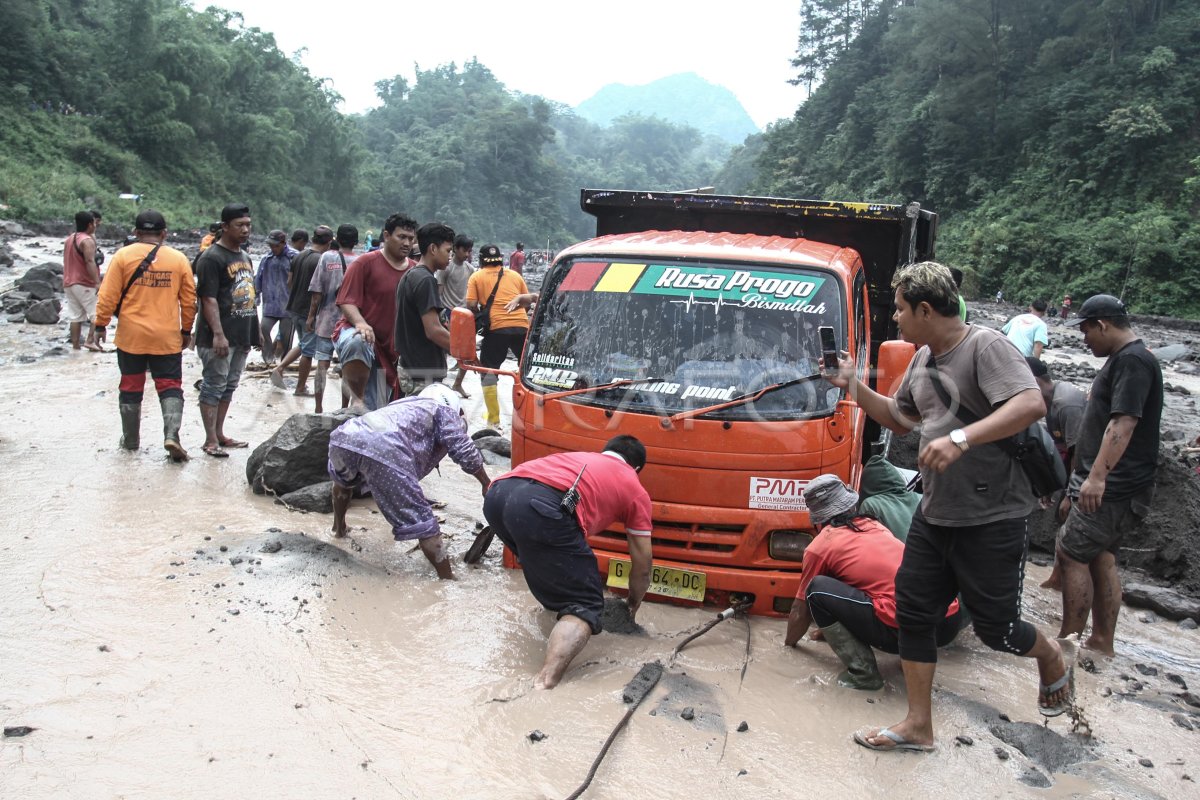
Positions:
(742, 399)
(542, 398)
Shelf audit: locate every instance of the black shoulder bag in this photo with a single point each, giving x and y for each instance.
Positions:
(1033, 448)
(137, 273)
(483, 317)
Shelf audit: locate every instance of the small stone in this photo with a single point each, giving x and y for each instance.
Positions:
(271, 547)
(688, 713)
(1001, 753)
(1147, 617)
(536, 736)
(170, 577)
(742, 772)
(17, 731)
(274, 530)
(1145, 762)
(1188, 624)
(208, 538)
(1136, 686)
(233, 612)
(235, 561)
(1177, 680)
(298, 705)
(1005, 718)
(103, 648)
(224, 549)
(1146, 669)
(743, 727)
(964, 740)
(1182, 721)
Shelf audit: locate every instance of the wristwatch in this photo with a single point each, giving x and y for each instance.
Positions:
(960, 439)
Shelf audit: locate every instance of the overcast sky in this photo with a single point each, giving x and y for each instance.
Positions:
(564, 51)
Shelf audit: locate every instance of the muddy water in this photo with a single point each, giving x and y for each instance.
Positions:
(347, 671)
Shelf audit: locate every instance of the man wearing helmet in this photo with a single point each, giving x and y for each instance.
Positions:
(389, 451)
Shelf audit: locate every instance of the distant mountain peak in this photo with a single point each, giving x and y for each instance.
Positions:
(684, 98)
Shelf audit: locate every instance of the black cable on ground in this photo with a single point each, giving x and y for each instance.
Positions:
(656, 669)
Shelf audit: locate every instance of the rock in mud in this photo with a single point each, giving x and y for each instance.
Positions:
(615, 617)
(743, 726)
(641, 683)
(10, 228)
(963, 740)
(295, 456)
(1031, 776)
(17, 731)
(273, 546)
(688, 713)
(6, 255)
(495, 459)
(1049, 750)
(480, 434)
(44, 312)
(1182, 721)
(1166, 601)
(1188, 624)
(37, 290)
(43, 274)
(536, 736)
(318, 498)
(496, 444)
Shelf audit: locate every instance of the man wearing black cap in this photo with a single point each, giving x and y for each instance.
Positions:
(1115, 462)
(228, 323)
(150, 286)
(271, 286)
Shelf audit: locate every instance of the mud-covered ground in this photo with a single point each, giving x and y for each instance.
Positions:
(167, 633)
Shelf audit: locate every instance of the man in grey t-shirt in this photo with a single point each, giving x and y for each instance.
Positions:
(969, 535)
(452, 287)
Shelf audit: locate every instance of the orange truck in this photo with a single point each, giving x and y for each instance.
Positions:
(695, 322)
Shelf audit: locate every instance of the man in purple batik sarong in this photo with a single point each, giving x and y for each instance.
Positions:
(390, 450)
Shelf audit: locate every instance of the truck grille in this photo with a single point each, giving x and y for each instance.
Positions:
(685, 537)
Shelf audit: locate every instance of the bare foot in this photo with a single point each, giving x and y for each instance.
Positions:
(1102, 648)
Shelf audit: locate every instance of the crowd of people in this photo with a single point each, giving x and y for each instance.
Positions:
(891, 570)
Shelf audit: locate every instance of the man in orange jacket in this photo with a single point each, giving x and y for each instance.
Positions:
(156, 304)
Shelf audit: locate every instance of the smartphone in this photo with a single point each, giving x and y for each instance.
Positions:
(829, 349)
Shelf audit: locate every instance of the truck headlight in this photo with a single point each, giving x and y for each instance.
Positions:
(788, 545)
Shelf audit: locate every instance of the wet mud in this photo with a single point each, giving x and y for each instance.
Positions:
(169, 633)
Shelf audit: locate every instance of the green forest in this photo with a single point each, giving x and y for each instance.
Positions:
(1059, 141)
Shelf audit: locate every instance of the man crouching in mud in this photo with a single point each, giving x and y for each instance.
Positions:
(970, 533)
(389, 451)
(535, 511)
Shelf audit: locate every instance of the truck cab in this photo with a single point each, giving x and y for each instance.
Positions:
(692, 322)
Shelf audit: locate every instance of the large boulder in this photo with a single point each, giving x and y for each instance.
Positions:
(15, 301)
(10, 228)
(6, 255)
(54, 266)
(496, 444)
(295, 456)
(43, 312)
(38, 290)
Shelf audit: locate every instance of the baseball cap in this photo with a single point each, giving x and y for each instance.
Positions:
(276, 237)
(234, 211)
(150, 220)
(489, 255)
(443, 395)
(1099, 306)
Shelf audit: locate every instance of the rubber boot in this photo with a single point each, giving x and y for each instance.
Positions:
(491, 399)
(131, 425)
(861, 670)
(172, 411)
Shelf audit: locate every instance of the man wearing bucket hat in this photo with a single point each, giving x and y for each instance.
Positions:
(849, 585)
(1116, 456)
(389, 451)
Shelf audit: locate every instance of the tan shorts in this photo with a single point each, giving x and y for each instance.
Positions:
(81, 302)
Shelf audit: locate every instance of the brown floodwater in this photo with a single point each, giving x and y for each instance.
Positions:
(349, 671)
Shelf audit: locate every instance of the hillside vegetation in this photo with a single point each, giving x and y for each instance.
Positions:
(1058, 140)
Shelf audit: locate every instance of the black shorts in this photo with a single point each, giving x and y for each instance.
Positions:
(559, 566)
(1083, 537)
(499, 343)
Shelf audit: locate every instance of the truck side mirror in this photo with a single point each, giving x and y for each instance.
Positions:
(894, 357)
(462, 335)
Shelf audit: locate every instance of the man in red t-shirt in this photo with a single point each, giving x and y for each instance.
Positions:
(516, 262)
(81, 279)
(849, 585)
(530, 509)
(367, 299)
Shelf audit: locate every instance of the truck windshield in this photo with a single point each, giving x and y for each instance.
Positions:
(700, 334)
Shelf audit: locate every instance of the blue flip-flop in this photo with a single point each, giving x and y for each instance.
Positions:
(898, 741)
(1070, 652)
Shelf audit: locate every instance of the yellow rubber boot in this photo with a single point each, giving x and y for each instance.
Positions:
(491, 399)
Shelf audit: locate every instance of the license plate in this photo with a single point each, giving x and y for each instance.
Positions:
(680, 583)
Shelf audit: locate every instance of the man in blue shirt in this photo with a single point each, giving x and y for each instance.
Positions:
(271, 286)
(1028, 331)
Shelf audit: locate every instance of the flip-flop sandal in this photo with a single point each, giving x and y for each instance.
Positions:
(898, 741)
(95, 348)
(215, 451)
(234, 444)
(1070, 653)
(480, 546)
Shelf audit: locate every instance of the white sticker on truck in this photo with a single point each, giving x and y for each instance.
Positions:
(777, 494)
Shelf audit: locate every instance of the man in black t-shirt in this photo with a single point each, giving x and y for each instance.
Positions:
(1116, 456)
(227, 325)
(299, 301)
(421, 338)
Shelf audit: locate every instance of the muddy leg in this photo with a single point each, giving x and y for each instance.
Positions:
(917, 727)
(302, 376)
(569, 636)
(341, 503)
(1106, 603)
(435, 550)
(319, 385)
(76, 330)
(354, 378)
(208, 415)
(1077, 592)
